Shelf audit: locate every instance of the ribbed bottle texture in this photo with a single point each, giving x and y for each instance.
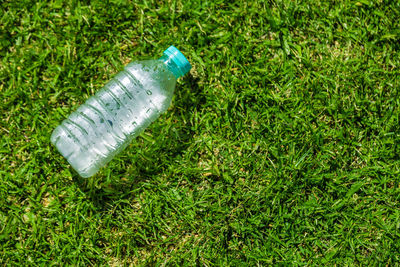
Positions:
(101, 127)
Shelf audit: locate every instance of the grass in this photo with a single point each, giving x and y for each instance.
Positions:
(281, 147)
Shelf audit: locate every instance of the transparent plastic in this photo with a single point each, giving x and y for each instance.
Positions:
(108, 121)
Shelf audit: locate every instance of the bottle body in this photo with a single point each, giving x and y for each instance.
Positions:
(108, 121)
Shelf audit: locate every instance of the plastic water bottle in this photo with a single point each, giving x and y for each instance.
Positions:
(108, 121)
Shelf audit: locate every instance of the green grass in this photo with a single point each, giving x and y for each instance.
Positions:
(282, 146)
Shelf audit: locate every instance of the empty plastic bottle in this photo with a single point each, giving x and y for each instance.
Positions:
(108, 121)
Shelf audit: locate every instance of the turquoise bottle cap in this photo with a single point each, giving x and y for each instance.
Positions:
(182, 64)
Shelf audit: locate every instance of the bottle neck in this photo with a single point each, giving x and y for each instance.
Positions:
(171, 66)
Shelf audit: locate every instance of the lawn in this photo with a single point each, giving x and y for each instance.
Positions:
(281, 146)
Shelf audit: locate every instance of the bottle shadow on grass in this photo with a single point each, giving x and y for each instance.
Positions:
(119, 183)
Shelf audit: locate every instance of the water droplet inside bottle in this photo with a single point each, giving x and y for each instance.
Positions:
(110, 122)
(149, 92)
(101, 120)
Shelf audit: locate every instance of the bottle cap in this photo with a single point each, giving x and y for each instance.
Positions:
(183, 65)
